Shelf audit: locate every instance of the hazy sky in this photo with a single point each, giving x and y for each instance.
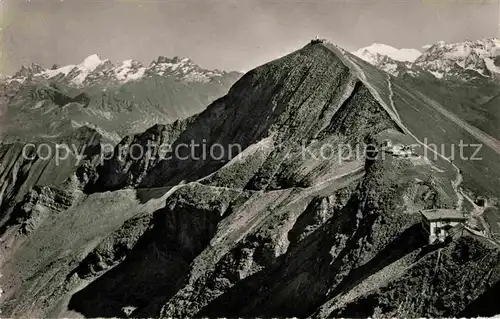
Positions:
(226, 34)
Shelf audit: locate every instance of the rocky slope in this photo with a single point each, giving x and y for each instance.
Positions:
(23, 167)
(289, 224)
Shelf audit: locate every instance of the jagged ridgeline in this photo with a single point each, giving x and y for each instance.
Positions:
(114, 100)
(285, 228)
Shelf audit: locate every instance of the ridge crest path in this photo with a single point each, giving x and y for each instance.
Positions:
(396, 118)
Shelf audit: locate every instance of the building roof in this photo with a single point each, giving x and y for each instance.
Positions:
(440, 214)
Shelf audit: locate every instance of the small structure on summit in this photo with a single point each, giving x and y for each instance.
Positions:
(318, 40)
(437, 222)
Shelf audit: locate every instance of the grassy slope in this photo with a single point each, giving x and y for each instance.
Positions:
(476, 102)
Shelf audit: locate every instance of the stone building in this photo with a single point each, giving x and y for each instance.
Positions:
(437, 222)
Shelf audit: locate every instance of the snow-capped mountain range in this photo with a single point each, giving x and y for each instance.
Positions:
(113, 99)
(377, 52)
(467, 60)
(93, 70)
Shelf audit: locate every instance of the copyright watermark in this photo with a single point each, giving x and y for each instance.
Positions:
(204, 151)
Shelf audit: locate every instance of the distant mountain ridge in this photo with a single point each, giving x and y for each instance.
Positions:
(466, 60)
(113, 99)
(95, 70)
(377, 51)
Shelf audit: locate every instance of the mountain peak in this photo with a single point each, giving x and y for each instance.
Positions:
(444, 58)
(129, 70)
(467, 59)
(174, 60)
(94, 70)
(426, 47)
(386, 57)
(277, 199)
(29, 70)
(183, 68)
(372, 52)
(92, 62)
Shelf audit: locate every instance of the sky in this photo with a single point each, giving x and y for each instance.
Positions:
(226, 34)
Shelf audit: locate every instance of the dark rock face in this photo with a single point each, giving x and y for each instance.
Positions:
(135, 156)
(438, 291)
(25, 166)
(28, 71)
(54, 95)
(167, 242)
(280, 228)
(31, 213)
(496, 61)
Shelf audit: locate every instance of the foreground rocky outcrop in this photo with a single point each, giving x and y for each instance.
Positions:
(54, 163)
(135, 155)
(301, 220)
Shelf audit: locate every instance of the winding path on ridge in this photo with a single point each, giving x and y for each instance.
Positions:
(458, 181)
(391, 96)
(394, 115)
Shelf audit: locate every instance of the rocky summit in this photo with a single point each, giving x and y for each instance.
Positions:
(299, 193)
